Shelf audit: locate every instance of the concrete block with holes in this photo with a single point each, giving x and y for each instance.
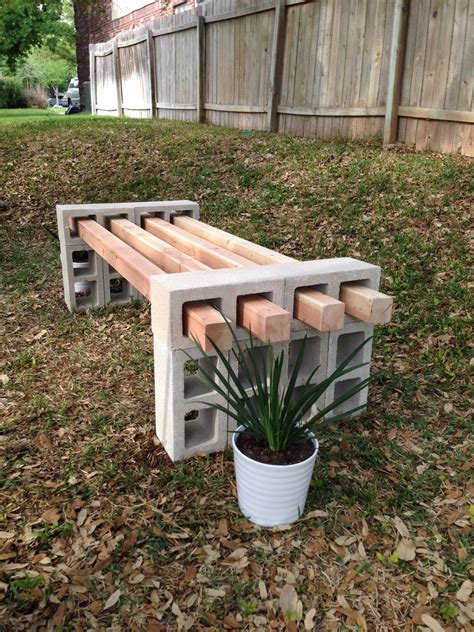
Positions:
(94, 283)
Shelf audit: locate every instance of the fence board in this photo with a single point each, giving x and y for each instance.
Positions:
(331, 79)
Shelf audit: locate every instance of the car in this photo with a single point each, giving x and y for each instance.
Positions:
(72, 93)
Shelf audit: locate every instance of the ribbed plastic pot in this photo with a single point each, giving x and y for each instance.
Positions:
(272, 495)
(81, 287)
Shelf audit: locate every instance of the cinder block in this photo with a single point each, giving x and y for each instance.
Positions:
(90, 275)
(166, 209)
(341, 344)
(185, 423)
(220, 287)
(326, 276)
(133, 211)
(99, 212)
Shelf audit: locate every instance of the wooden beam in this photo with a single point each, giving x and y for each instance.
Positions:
(174, 29)
(295, 111)
(200, 320)
(267, 321)
(395, 70)
(200, 67)
(169, 259)
(459, 116)
(329, 316)
(130, 264)
(314, 308)
(276, 64)
(366, 304)
(247, 249)
(175, 106)
(204, 323)
(250, 109)
(208, 253)
(239, 13)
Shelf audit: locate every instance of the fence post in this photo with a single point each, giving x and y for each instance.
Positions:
(118, 78)
(395, 70)
(92, 78)
(276, 64)
(200, 67)
(151, 71)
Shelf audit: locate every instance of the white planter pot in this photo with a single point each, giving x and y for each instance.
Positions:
(272, 495)
(81, 287)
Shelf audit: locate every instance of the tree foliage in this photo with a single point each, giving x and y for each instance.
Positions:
(25, 24)
(50, 69)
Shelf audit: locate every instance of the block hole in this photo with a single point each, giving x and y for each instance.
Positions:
(83, 262)
(257, 356)
(187, 212)
(116, 286)
(72, 224)
(160, 214)
(364, 282)
(193, 386)
(85, 293)
(346, 344)
(311, 357)
(199, 427)
(320, 287)
(342, 387)
(119, 289)
(82, 289)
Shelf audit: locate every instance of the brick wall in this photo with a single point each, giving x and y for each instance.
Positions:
(96, 25)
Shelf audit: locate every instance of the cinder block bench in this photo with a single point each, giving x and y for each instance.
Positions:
(194, 274)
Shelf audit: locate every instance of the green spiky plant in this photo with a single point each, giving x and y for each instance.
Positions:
(270, 411)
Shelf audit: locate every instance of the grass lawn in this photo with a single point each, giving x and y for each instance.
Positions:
(92, 505)
(28, 115)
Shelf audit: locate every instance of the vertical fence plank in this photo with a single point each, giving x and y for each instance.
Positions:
(200, 67)
(93, 87)
(118, 76)
(276, 64)
(151, 71)
(397, 50)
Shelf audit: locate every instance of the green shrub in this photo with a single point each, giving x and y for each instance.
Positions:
(12, 93)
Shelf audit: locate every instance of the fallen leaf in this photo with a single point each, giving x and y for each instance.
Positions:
(309, 619)
(81, 518)
(345, 540)
(406, 550)
(401, 527)
(235, 556)
(7, 535)
(289, 603)
(465, 591)
(112, 600)
(433, 625)
(222, 528)
(51, 515)
(136, 579)
(190, 574)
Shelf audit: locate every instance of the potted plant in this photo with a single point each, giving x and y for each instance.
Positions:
(274, 444)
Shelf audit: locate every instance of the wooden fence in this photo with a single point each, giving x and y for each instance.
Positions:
(321, 68)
